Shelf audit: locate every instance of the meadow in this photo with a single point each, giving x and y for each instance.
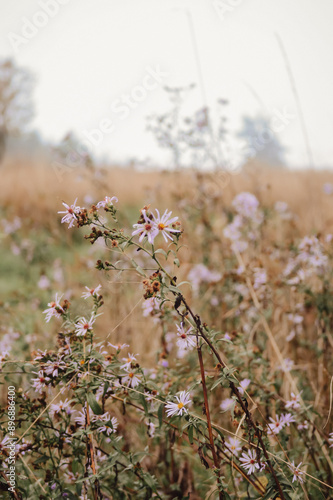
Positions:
(208, 373)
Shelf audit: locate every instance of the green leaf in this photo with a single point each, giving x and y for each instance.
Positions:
(93, 404)
(138, 268)
(176, 262)
(161, 251)
(190, 434)
(160, 414)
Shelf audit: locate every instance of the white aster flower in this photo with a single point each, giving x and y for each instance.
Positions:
(127, 365)
(40, 382)
(150, 428)
(297, 473)
(54, 309)
(91, 292)
(61, 406)
(287, 419)
(106, 419)
(118, 347)
(83, 326)
(71, 212)
(330, 440)
(294, 401)
(131, 380)
(234, 445)
(186, 339)
(163, 224)
(276, 424)
(178, 408)
(250, 462)
(148, 229)
(107, 202)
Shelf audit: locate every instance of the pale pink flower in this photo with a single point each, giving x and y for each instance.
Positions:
(71, 213)
(40, 382)
(287, 419)
(148, 229)
(127, 365)
(243, 385)
(234, 445)
(297, 473)
(54, 309)
(276, 425)
(107, 202)
(91, 292)
(294, 401)
(131, 380)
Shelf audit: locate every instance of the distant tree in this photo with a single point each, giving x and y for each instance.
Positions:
(16, 108)
(261, 141)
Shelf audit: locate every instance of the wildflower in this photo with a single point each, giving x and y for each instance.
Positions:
(234, 445)
(83, 326)
(54, 367)
(287, 366)
(150, 428)
(148, 229)
(260, 277)
(106, 418)
(118, 347)
(54, 309)
(163, 224)
(243, 385)
(178, 408)
(61, 406)
(227, 404)
(328, 188)
(287, 419)
(151, 306)
(246, 204)
(130, 358)
(91, 292)
(185, 341)
(276, 425)
(330, 440)
(249, 461)
(71, 212)
(297, 473)
(131, 380)
(302, 426)
(294, 401)
(40, 382)
(107, 202)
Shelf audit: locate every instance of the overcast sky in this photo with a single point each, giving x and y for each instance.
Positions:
(90, 54)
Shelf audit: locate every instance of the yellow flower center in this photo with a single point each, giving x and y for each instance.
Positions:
(82, 362)
(180, 405)
(161, 226)
(131, 375)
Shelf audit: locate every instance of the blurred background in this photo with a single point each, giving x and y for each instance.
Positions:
(167, 103)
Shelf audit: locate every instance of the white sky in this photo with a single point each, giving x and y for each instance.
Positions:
(93, 51)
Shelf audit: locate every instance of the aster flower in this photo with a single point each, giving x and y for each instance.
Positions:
(303, 425)
(118, 347)
(131, 380)
(250, 462)
(91, 292)
(243, 385)
(294, 401)
(127, 365)
(106, 419)
(186, 340)
(163, 224)
(40, 382)
(178, 408)
(61, 406)
(297, 473)
(276, 424)
(287, 419)
(234, 445)
(150, 429)
(246, 204)
(52, 368)
(107, 202)
(54, 309)
(84, 326)
(330, 440)
(71, 212)
(227, 404)
(148, 229)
